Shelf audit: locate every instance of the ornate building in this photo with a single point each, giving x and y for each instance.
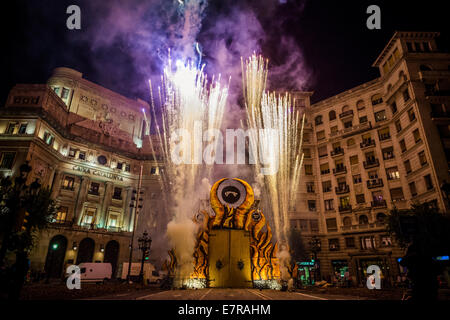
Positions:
(85, 143)
(380, 145)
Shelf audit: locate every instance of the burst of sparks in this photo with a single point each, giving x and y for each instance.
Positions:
(282, 145)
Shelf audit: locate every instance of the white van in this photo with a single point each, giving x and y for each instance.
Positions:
(150, 273)
(95, 272)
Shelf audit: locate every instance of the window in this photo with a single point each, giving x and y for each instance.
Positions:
(331, 224)
(398, 126)
(306, 152)
(363, 119)
(61, 215)
(394, 107)
(344, 202)
(119, 165)
(418, 46)
(113, 220)
(94, 188)
(314, 225)
(333, 244)
(347, 221)
(354, 160)
(11, 128)
(367, 242)
(127, 168)
(318, 120)
(333, 130)
(360, 105)
(329, 205)
(48, 138)
(357, 179)
(363, 219)
(384, 134)
(416, 135)
(72, 152)
(411, 114)
(392, 173)
(323, 152)
(326, 186)
(320, 135)
(360, 198)
(373, 174)
(7, 160)
(82, 155)
(117, 193)
(312, 205)
(428, 182)
(422, 158)
(388, 153)
(303, 225)
(324, 168)
(23, 128)
(89, 216)
(406, 96)
(407, 166)
(377, 99)
(350, 242)
(397, 194)
(348, 124)
(65, 93)
(386, 241)
(412, 189)
(380, 116)
(56, 89)
(102, 160)
(351, 142)
(402, 145)
(308, 169)
(310, 187)
(68, 183)
(332, 115)
(409, 46)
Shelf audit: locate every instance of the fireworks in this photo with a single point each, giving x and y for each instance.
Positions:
(281, 146)
(188, 100)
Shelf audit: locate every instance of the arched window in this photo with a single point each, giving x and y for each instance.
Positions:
(381, 217)
(360, 105)
(423, 67)
(318, 120)
(377, 99)
(347, 221)
(345, 108)
(332, 115)
(363, 219)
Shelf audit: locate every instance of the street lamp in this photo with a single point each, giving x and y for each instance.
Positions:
(145, 243)
(315, 246)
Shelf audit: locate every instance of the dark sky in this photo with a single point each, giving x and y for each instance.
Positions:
(336, 46)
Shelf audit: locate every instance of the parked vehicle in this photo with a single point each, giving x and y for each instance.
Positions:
(151, 275)
(95, 272)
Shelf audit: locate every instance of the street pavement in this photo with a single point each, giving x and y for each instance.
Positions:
(223, 294)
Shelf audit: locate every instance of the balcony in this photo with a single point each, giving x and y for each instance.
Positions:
(346, 114)
(367, 143)
(113, 229)
(371, 163)
(374, 183)
(347, 208)
(340, 170)
(373, 225)
(326, 171)
(384, 136)
(352, 130)
(342, 189)
(62, 223)
(378, 204)
(336, 152)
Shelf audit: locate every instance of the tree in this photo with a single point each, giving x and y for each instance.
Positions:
(24, 210)
(425, 233)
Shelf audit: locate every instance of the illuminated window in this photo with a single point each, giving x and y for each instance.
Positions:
(65, 93)
(72, 152)
(380, 116)
(386, 241)
(48, 138)
(23, 128)
(392, 173)
(11, 128)
(113, 220)
(333, 244)
(68, 183)
(127, 168)
(89, 216)
(61, 215)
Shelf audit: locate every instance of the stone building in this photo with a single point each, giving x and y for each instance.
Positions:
(84, 142)
(380, 145)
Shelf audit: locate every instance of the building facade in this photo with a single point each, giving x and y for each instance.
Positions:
(380, 145)
(84, 142)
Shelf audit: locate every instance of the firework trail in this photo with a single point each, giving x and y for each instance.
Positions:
(190, 105)
(281, 146)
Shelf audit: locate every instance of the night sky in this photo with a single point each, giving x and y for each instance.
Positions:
(329, 39)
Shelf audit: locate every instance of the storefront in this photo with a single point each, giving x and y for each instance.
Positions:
(340, 268)
(305, 272)
(382, 263)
